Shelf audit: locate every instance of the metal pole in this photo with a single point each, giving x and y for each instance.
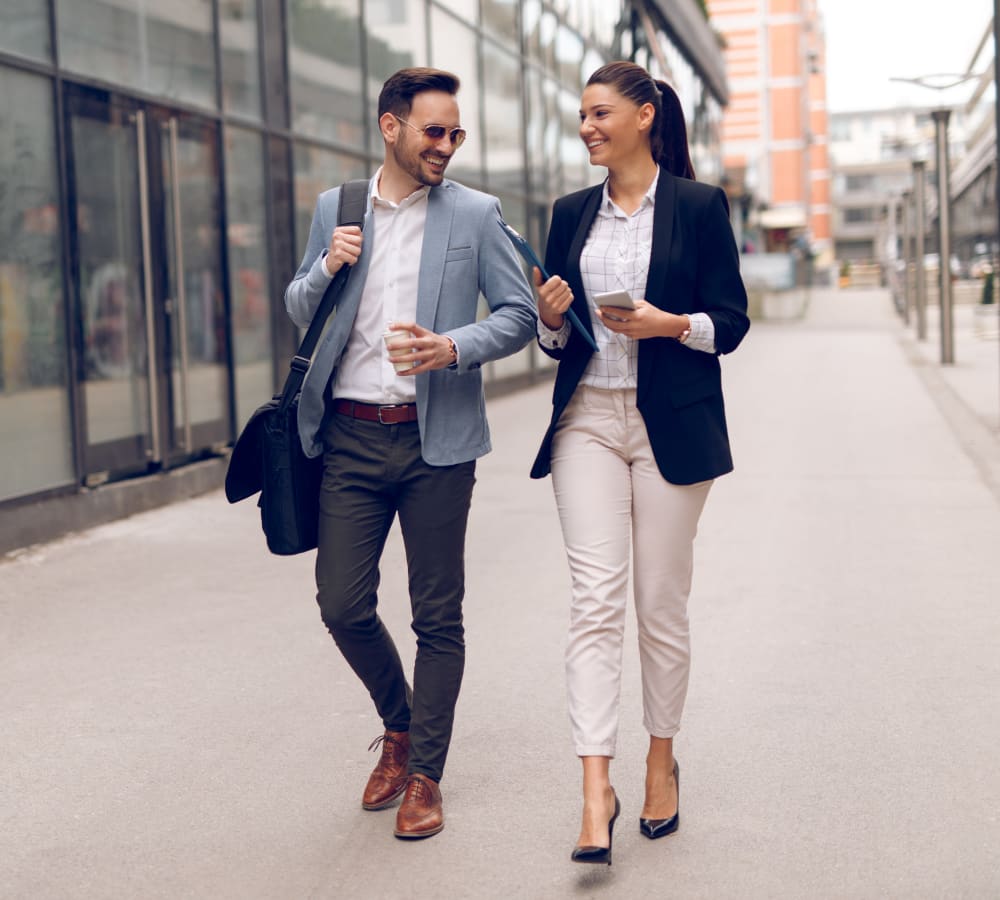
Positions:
(996, 122)
(940, 117)
(907, 293)
(920, 229)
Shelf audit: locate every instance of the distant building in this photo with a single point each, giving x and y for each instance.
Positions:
(872, 153)
(774, 131)
(974, 170)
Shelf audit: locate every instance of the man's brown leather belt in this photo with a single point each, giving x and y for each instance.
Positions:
(371, 412)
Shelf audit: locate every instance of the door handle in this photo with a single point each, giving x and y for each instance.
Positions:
(181, 299)
(155, 452)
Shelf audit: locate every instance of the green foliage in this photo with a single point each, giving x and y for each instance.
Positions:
(987, 288)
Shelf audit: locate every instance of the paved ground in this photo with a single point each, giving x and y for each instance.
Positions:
(176, 723)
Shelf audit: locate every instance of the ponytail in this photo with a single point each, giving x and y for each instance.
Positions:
(670, 144)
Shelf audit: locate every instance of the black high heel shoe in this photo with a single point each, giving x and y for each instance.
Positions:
(657, 828)
(599, 855)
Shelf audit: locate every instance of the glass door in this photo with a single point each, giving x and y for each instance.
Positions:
(148, 270)
(194, 301)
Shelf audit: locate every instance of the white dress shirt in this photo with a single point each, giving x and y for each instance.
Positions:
(615, 257)
(390, 295)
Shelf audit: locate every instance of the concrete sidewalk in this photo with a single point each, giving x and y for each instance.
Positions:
(177, 723)
(967, 391)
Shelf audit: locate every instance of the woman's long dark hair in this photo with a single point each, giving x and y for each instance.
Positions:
(668, 136)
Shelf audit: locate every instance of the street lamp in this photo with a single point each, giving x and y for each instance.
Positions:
(996, 115)
(907, 247)
(940, 117)
(941, 82)
(919, 228)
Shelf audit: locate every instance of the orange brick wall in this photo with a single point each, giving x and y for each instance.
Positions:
(787, 176)
(786, 114)
(786, 51)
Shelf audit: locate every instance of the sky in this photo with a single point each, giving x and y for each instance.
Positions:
(870, 41)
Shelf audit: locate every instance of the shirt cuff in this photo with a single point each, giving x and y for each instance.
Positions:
(702, 335)
(322, 263)
(553, 339)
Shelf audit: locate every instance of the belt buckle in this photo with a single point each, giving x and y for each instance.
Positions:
(381, 421)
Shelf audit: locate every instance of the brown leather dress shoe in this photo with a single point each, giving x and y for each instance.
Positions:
(388, 779)
(420, 815)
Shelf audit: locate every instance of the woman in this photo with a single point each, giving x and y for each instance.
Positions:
(638, 430)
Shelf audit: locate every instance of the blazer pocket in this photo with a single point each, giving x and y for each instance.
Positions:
(454, 254)
(693, 391)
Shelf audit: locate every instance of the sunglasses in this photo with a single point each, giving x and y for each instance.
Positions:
(436, 132)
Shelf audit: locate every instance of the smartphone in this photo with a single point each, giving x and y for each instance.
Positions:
(620, 299)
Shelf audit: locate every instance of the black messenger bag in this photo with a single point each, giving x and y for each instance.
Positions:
(268, 455)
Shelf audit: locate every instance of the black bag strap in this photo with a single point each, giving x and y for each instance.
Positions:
(350, 211)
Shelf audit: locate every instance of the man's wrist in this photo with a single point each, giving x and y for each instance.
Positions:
(453, 348)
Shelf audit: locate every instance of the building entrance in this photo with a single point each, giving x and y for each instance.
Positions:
(147, 252)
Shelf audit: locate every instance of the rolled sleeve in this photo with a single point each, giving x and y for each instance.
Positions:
(702, 335)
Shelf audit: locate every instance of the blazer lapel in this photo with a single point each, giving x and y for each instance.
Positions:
(663, 232)
(437, 229)
(575, 278)
(659, 266)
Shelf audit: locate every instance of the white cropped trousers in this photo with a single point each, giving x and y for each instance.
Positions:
(612, 499)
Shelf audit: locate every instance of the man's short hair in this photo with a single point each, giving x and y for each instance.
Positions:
(399, 90)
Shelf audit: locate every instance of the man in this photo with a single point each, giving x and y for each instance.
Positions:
(406, 442)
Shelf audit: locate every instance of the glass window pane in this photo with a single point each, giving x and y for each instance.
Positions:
(535, 126)
(111, 273)
(24, 28)
(194, 214)
(240, 57)
(592, 61)
(569, 56)
(164, 49)
(250, 306)
(539, 28)
(453, 48)
(500, 19)
(465, 8)
(317, 170)
(324, 58)
(552, 135)
(35, 440)
(577, 171)
(397, 39)
(504, 153)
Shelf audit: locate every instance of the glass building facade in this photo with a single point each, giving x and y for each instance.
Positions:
(159, 166)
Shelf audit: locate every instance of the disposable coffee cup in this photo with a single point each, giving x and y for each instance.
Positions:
(399, 334)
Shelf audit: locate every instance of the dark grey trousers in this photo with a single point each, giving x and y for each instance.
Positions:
(373, 472)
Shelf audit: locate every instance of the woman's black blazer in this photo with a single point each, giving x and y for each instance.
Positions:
(693, 267)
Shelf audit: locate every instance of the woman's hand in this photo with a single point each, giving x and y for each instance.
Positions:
(645, 321)
(554, 298)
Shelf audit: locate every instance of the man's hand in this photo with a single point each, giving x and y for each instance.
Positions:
(428, 350)
(345, 247)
